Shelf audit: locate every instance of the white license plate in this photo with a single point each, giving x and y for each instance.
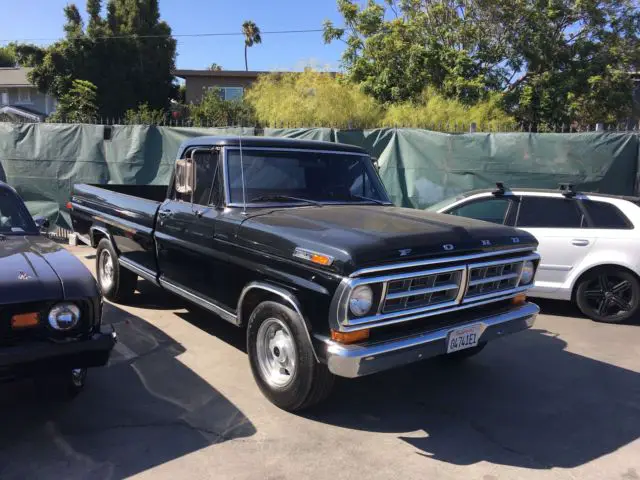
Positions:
(465, 337)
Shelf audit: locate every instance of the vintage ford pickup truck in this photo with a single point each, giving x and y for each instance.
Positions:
(298, 242)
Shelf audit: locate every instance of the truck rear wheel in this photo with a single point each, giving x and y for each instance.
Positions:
(282, 359)
(116, 283)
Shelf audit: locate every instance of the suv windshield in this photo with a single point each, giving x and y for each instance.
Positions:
(302, 177)
(14, 218)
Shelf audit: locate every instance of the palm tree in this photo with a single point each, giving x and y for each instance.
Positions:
(251, 37)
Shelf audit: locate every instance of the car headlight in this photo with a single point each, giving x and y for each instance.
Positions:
(528, 271)
(64, 316)
(361, 300)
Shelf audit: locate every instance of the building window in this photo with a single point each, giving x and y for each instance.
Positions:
(24, 95)
(228, 93)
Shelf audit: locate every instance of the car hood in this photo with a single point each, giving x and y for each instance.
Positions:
(33, 268)
(359, 236)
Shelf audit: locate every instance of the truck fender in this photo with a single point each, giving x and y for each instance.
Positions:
(288, 297)
(101, 232)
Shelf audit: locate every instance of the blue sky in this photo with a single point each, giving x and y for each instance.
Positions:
(43, 19)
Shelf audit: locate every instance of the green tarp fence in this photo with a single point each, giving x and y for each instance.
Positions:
(418, 167)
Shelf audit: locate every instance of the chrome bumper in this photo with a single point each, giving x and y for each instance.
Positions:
(358, 360)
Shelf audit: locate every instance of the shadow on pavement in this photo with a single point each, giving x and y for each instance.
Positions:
(146, 408)
(524, 401)
(215, 326)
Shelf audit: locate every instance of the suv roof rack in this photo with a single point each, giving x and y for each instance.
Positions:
(499, 189)
(567, 189)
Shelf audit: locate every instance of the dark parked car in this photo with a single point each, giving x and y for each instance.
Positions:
(298, 242)
(50, 304)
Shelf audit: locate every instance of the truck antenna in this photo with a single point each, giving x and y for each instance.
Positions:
(244, 193)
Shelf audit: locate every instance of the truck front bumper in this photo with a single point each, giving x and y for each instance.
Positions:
(358, 360)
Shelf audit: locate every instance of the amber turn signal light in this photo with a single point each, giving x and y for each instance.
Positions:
(23, 320)
(349, 337)
(519, 299)
(69, 206)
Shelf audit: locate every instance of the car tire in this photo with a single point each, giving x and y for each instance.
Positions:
(116, 283)
(282, 359)
(462, 355)
(609, 295)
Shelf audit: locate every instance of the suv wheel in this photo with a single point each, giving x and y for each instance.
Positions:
(116, 283)
(282, 360)
(609, 295)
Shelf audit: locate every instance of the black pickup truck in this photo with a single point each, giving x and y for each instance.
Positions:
(298, 242)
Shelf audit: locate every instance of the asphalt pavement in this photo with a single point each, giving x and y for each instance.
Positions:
(560, 401)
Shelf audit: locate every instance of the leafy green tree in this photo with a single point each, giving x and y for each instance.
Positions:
(555, 60)
(251, 37)
(145, 115)
(7, 57)
(128, 54)
(78, 105)
(214, 67)
(214, 111)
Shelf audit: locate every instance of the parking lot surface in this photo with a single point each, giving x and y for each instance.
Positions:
(560, 401)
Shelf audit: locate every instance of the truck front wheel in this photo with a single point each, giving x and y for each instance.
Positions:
(282, 359)
(115, 282)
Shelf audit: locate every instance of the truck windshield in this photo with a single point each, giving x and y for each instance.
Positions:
(14, 218)
(304, 177)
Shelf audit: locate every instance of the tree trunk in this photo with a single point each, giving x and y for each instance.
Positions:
(246, 65)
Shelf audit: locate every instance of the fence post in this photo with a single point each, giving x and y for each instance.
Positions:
(599, 127)
(473, 127)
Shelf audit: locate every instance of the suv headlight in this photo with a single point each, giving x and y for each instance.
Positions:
(64, 316)
(528, 271)
(361, 300)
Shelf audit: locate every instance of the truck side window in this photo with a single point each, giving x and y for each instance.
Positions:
(206, 168)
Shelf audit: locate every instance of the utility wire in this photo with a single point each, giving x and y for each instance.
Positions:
(211, 34)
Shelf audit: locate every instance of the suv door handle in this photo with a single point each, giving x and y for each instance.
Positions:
(164, 213)
(580, 242)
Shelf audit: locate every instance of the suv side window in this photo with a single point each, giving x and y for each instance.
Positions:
(489, 209)
(206, 172)
(549, 212)
(605, 215)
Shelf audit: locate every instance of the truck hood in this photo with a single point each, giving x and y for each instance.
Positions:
(359, 236)
(33, 268)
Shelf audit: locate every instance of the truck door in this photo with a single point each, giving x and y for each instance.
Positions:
(185, 234)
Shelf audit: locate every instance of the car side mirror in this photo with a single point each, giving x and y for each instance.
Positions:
(41, 222)
(185, 176)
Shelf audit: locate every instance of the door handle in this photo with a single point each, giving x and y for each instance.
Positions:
(580, 242)
(164, 213)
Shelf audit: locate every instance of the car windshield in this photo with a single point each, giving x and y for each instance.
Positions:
(302, 177)
(444, 203)
(14, 218)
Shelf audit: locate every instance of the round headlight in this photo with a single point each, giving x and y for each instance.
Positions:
(361, 300)
(64, 316)
(528, 270)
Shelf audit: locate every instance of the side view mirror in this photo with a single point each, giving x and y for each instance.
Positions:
(185, 176)
(41, 222)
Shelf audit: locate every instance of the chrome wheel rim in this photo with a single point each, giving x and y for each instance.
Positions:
(276, 353)
(609, 296)
(106, 270)
(77, 376)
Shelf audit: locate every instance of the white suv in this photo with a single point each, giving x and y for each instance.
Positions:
(589, 243)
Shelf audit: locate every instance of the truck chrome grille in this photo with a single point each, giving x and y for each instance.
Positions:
(421, 291)
(492, 278)
(473, 280)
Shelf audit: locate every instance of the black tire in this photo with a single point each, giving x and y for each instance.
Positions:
(63, 385)
(609, 295)
(462, 355)
(310, 382)
(123, 282)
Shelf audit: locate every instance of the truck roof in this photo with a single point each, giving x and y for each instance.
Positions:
(271, 142)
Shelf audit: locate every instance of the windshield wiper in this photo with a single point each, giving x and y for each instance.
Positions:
(284, 198)
(362, 197)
